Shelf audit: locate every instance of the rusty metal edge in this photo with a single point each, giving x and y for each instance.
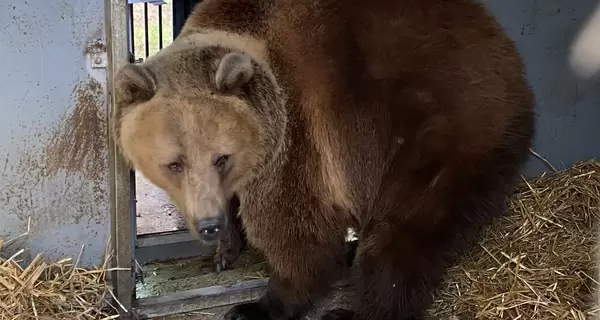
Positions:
(115, 14)
(171, 251)
(207, 298)
(199, 299)
(195, 300)
(163, 238)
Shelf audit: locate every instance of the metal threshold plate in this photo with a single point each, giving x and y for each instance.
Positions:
(199, 299)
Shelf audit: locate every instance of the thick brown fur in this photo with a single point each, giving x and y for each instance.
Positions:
(406, 120)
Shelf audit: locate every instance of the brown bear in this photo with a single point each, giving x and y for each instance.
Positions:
(406, 120)
(232, 239)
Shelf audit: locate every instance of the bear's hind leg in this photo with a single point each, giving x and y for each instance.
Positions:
(415, 234)
(305, 261)
(293, 288)
(395, 273)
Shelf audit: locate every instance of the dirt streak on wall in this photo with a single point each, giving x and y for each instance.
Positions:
(79, 142)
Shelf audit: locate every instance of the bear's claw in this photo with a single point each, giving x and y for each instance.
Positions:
(226, 258)
(220, 263)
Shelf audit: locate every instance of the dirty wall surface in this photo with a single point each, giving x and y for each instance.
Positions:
(53, 129)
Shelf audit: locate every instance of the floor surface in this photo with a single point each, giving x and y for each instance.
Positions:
(335, 300)
(155, 213)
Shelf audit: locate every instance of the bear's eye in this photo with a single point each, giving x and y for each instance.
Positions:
(175, 167)
(221, 161)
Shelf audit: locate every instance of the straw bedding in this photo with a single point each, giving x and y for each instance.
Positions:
(538, 263)
(53, 291)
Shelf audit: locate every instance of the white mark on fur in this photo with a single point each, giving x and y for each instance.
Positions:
(436, 178)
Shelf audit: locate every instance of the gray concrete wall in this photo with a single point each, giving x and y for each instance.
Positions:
(568, 105)
(53, 129)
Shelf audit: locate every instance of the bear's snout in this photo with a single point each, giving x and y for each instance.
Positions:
(210, 228)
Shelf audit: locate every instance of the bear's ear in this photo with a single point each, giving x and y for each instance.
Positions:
(235, 69)
(135, 83)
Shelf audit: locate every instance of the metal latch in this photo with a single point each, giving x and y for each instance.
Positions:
(138, 273)
(98, 55)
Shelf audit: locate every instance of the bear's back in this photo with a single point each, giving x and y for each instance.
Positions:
(405, 59)
(431, 79)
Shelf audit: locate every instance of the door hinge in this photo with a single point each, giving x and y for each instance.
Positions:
(97, 52)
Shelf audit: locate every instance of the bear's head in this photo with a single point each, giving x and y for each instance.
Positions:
(200, 123)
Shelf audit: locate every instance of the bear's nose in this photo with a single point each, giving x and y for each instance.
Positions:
(209, 228)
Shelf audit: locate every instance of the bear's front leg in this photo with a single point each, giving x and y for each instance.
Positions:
(233, 239)
(302, 273)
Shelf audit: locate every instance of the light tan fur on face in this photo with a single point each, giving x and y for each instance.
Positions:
(194, 127)
(332, 177)
(143, 130)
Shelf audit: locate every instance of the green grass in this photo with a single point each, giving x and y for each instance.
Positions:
(138, 28)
